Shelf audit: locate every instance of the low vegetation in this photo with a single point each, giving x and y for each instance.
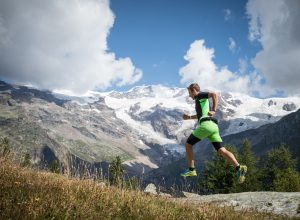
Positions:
(29, 194)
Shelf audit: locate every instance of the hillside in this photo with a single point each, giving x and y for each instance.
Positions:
(266, 137)
(28, 194)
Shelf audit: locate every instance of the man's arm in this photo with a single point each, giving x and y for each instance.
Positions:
(215, 103)
(187, 117)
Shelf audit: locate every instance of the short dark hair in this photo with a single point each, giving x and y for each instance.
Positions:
(194, 86)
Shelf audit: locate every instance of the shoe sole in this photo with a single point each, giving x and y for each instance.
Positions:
(188, 175)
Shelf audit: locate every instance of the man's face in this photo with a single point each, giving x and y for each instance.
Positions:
(192, 93)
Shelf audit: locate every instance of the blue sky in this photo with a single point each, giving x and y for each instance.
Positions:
(156, 34)
(246, 46)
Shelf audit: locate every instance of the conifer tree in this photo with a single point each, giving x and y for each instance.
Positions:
(279, 173)
(55, 167)
(219, 175)
(116, 170)
(247, 157)
(287, 181)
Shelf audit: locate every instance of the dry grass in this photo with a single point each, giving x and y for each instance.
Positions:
(28, 194)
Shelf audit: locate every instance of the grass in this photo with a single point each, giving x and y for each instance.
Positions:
(30, 194)
(92, 152)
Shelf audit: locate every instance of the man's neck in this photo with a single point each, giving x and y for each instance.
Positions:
(195, 96)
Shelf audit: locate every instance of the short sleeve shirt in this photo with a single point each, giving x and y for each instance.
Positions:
(202, 104)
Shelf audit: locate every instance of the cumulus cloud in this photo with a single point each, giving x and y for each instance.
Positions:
(232, 45)
(202, 69)
(61, 45)
(227, 14)
(276, 26)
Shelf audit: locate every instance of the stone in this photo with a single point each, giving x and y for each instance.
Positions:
(151, 189)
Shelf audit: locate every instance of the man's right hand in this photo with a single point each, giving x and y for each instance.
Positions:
(186, 117)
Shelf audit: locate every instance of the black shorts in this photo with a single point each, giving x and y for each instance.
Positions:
(192, 140)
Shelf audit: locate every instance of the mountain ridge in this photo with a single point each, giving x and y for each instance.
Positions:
(143, 124)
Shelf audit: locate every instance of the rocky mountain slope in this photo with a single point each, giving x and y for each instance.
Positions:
(35, 120)
(143, 125)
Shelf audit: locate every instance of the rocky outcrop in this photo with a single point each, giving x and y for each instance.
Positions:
(271, 102)
(283, 203)
(153, 190)
(289, 107)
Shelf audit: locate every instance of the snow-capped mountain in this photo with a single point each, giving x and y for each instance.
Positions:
(154, 113)
(143, 124)
(241, 112)
(146, 108)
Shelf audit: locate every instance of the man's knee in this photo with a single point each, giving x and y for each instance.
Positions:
(222, 151)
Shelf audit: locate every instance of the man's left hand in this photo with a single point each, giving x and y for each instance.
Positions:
(211, 113)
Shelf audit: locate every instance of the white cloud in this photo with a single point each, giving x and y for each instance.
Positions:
(243, 66)
(202, 69)
(232, 45)
(227, 14)
(276, 26)
(61, 45)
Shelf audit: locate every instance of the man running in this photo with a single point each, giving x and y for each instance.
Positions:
(207, 128)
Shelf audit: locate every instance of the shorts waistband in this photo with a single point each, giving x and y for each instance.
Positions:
(208, 119)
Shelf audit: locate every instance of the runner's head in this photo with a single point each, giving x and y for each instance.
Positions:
(193, 89)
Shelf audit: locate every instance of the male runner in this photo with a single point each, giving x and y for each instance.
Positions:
(207, 128)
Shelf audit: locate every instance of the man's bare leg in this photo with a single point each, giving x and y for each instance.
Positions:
(190, 155)
(228, 156)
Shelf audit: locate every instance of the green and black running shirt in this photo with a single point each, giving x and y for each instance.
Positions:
(202, 104)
